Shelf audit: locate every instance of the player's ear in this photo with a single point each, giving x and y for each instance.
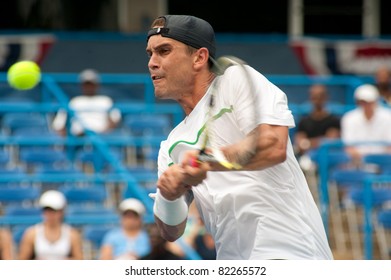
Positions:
(201, 57)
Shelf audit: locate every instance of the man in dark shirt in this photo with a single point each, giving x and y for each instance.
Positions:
(318, 125)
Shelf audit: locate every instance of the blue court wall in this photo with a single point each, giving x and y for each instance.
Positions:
(116, 53)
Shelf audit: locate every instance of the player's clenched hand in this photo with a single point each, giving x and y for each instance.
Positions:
(172, 182)
(195, 171)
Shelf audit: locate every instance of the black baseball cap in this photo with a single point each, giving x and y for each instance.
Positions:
(189, 30)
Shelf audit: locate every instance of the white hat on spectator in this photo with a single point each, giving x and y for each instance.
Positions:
(368, 93)
(53, 199)
(89, 75)
(132, 204)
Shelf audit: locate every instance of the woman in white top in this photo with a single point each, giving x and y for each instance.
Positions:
(52, 239)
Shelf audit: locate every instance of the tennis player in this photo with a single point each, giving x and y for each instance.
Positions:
(263, 211)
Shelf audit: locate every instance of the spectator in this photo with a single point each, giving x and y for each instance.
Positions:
(202, 241)
(318, 125)
(52, 239)
(160, 248)
(369, 122)
(92, 110)
(6, 244)
(383, 83)
(130, 240)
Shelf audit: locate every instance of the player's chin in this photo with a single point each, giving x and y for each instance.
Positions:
(159, 93)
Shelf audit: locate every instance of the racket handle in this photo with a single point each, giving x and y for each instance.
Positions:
(194, 162)
(203, 157)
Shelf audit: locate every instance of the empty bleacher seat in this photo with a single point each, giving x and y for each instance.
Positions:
(92, 159)
(82, 215)
(13, 210)
(5, 158)
(85, 195)
(19, 196)
(145, 176)
(93, 236)
(34, 157)
(148, 125)
(382, 162)
(14, 121)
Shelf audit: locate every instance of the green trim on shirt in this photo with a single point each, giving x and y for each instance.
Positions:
(215, 117)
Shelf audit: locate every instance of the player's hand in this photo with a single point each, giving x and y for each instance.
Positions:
(215, 158)
(172, 183)
(195, 170)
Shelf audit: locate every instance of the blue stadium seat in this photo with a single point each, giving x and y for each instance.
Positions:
(13, 121)
(382, 162)
(34, 157)
(19, 196)
(93, 235)
(145, 176)
(12, 176)
(13, 210)
(21, 132)
(5, 158)
(96, 210)
(95, 158)
(148, 125)
(380, 196)
(68, 169)
(82, 215)
(335, 158)
(342, 182)
(84, 195)
(17, 234)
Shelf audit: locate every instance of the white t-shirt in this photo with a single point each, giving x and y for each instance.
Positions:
(355, 128)
(58, 250)
(91, 112)
(267, 214)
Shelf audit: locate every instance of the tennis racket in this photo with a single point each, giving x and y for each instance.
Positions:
(241, 152)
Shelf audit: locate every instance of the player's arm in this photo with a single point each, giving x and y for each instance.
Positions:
(270, 148)
(172, 199)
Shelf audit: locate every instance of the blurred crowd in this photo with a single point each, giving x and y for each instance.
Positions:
(132, 239)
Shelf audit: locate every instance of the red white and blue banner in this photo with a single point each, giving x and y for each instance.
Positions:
(15, 48)
(342, 57)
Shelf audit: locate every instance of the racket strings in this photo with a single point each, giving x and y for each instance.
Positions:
(208, 122)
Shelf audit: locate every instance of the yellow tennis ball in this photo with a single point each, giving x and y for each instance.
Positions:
(24, 75)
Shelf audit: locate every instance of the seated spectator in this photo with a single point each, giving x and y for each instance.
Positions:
(160, 248)
(130, 240)
(318, 125)
(369, 122)
(202, 241)
(92, 110)
(6, 244)
(52, 239)
(383, 84)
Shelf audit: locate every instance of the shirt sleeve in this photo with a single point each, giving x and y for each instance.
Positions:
(271, 102)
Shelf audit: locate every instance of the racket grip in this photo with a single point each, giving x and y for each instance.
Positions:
(194, 162)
